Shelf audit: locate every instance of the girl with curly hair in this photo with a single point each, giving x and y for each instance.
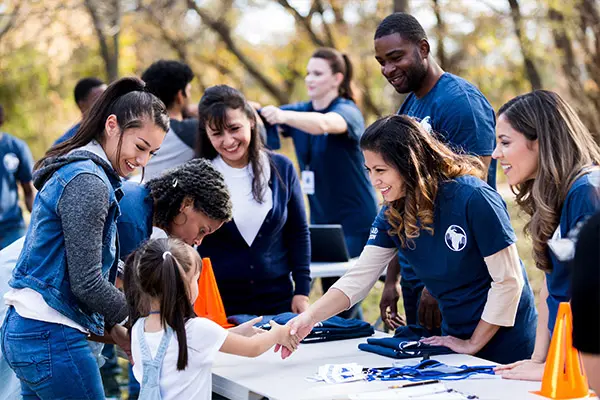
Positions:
(551, 161)
(454, 230)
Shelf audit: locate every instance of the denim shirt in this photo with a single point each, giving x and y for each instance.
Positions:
(42, 265)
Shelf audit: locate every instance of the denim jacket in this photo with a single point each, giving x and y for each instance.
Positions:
(42, 265)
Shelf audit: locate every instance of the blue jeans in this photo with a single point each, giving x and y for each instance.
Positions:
(52, 361)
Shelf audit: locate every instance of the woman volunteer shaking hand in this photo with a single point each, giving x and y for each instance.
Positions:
(455, 230)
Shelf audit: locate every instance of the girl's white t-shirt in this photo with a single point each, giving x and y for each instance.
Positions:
(204, 339)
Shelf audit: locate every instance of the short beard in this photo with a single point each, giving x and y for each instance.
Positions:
(416, 76)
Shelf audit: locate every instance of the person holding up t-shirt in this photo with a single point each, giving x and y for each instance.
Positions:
(455, 110)
(455, 231)
(326, 131)
(16, 166)
(552, 161)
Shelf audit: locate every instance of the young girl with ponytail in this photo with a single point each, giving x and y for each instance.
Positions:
(326, 131)
(61, 290)
(172, 349)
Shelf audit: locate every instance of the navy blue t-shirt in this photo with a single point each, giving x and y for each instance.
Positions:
(16, 166)
(135, 222)
(343, 194)
(470, 223)
(582, 201)
(68, 134)
(461, 115)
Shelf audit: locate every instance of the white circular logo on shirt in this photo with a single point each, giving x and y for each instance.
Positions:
(456, 238)
(11, 162)
(373, 233)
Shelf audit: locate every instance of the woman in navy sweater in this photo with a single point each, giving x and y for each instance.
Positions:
(256, 255)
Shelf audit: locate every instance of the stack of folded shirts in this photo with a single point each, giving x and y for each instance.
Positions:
(404, 344)
(334, 328)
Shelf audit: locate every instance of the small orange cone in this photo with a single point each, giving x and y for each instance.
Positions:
(564, 376)
(209, 304)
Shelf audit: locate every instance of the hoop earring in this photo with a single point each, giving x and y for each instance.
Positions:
(183, 223)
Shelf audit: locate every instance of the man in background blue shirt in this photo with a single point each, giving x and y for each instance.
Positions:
(16, 166)
(86, 93)
(452, 109)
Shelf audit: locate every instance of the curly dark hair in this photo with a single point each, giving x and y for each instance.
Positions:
(165, 78)
(197, 180)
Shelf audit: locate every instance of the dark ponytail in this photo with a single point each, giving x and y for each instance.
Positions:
(129, 101)
(346, 86)
(339, 63)
(157, 271)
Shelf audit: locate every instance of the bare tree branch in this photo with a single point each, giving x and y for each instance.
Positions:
(175, 43)
(11, 20)
(571, 71)
(303, 21)
(224, 32)
(326, 27)
(590, 20)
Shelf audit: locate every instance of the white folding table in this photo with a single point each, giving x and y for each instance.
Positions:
(240, 378)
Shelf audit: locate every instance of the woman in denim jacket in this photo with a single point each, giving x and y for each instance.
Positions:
(62, 291)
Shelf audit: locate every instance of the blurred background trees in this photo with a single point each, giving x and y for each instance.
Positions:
(505, 47)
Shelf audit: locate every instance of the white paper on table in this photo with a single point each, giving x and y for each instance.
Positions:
(338, 373)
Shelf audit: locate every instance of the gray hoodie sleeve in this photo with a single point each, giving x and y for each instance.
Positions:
(83, 208)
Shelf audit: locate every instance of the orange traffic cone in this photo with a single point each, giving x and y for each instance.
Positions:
(209, 304)
(564, 376)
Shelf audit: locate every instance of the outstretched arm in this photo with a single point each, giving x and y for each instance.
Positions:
(310, 122)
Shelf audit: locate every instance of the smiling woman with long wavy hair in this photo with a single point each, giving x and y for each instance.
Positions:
(454, 230)
(551, 161)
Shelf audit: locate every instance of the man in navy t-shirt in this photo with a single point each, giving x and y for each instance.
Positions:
(16, 166)
(86, 93)
(447, 105)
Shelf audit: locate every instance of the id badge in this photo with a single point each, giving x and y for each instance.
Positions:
(308, 182)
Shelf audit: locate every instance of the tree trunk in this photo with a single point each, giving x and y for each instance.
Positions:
(440, 31)
(401, 6)
(110, 54)
(584, 104)
(526, 46)
(224, 32)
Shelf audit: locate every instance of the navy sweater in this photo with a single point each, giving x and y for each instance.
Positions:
(257, 279)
